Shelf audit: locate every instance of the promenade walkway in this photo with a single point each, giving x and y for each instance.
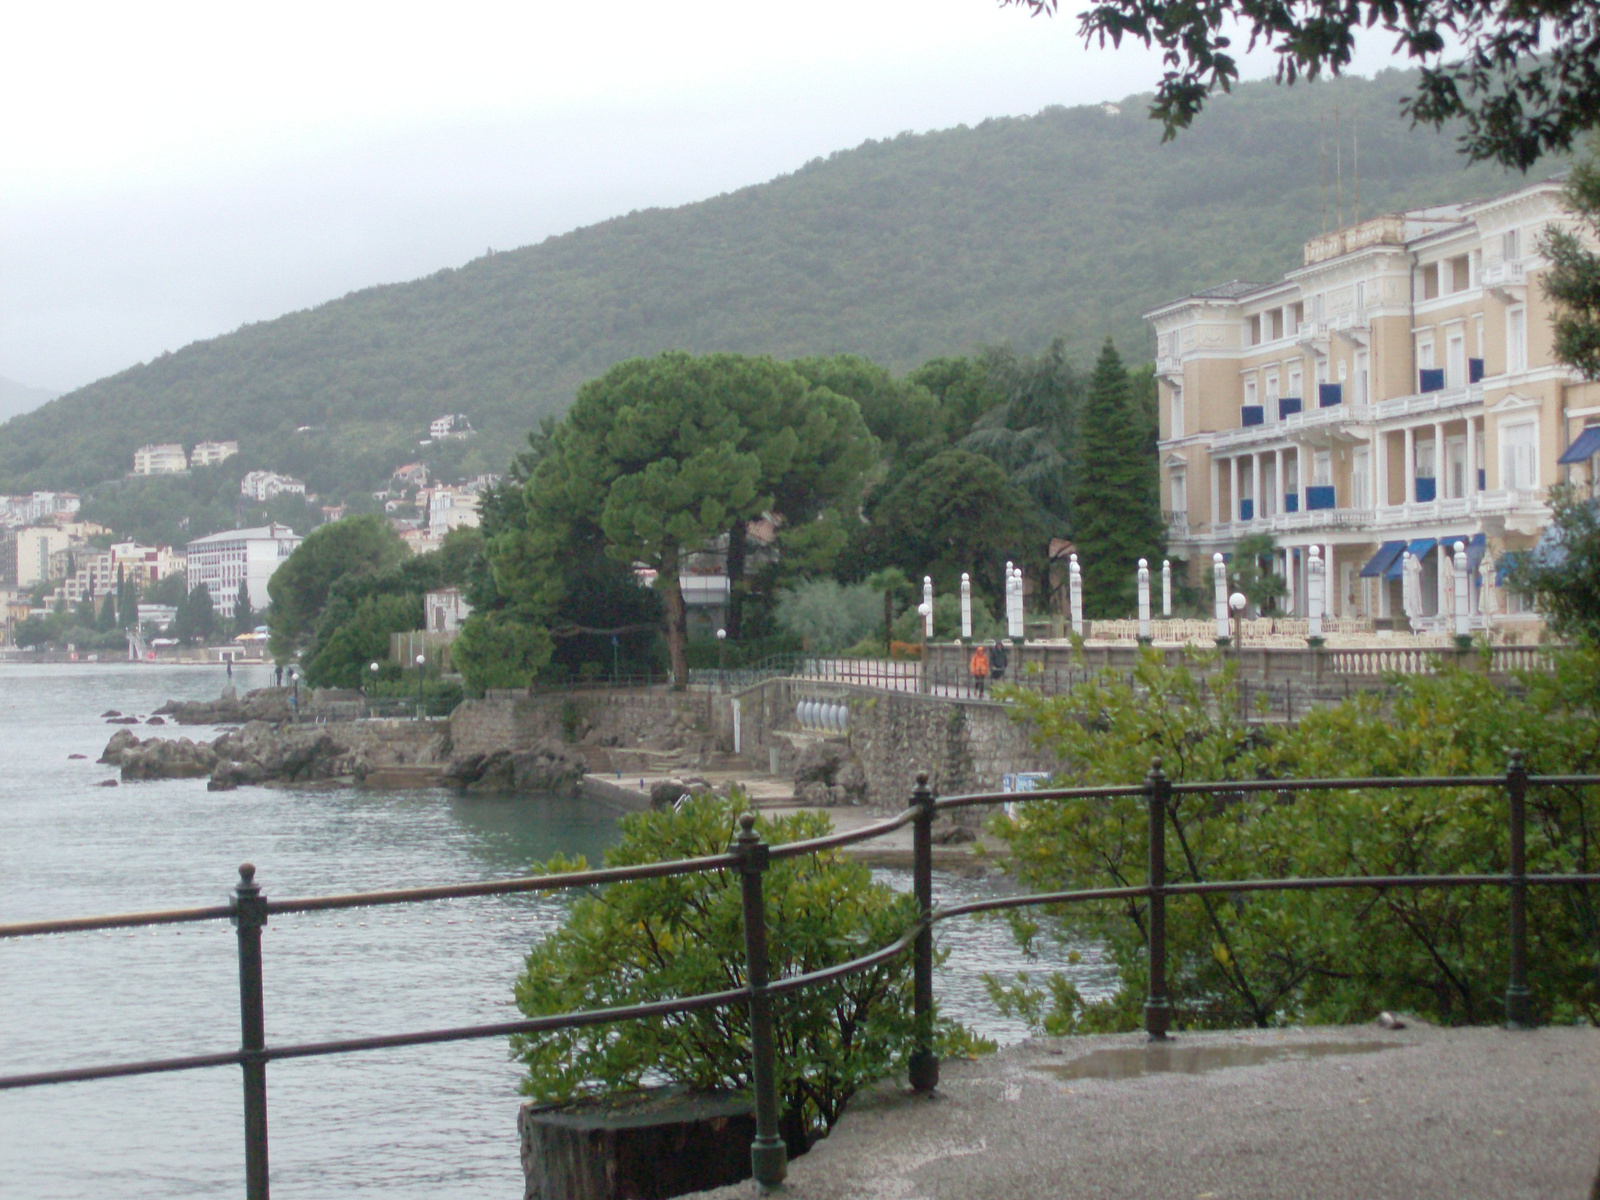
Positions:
(1316, 1114)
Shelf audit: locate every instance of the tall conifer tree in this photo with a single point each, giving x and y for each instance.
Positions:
(1117, 518)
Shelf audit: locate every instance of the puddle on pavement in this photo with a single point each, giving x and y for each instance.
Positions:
(1130, 1062)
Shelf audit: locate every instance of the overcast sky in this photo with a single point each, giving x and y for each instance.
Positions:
(170, 171)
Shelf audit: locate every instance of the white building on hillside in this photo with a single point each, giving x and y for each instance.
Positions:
(262, 486)
(446, 610)
(25, 554)
(209, 454)
(450, 508)
(454, 425)
(166, 458)
(251, 556)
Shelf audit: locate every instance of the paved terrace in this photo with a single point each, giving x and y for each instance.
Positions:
(1313, 1114)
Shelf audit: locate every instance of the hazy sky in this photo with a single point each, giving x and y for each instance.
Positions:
(170, 171)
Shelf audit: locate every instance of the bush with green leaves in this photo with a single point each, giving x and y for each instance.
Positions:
(1327, 956)
(647, 940)
(829, 616)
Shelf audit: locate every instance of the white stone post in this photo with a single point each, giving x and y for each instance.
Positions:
(1075, 594)
(1014, 627)
(1462, 615)
(1166, 587)
(1316, 589)
(1144, 600)
(966, 607)
(1219, 577)
(927, 607)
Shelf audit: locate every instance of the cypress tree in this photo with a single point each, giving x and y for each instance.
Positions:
(244, 620)
(1117, 516)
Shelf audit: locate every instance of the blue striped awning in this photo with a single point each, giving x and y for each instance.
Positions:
(1584, 447)
(1387, 553)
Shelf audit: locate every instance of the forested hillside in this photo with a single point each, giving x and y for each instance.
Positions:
(1069, 223)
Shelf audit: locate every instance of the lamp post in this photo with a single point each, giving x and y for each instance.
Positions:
(294, 701)
(614, 645)
(722, 660)
(421, 658)
(1237, 602)
(1219, 580)
(966, 607)
(374, 670)
(1075, 594)
(1143, 582)
(1166, 587)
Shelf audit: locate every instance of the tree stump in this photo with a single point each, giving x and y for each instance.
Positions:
(661, 1142)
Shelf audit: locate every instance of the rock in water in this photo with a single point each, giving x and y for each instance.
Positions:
(107, 783)
(156, 721)
(111, 712)
(121, 740)
(77, 756)
(159, 759)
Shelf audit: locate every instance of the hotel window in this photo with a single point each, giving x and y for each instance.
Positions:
(1460, 269)
(1318, 307)
(1455, 360)
(1511, 245)
(1272, 391)
(1253, 330)
(1428, 284)
(1455, 473)
(1180, 491)
(1177, 412)
(1361, 298)
(1516, 339)
(1425, 354)
(1360, 473)
(1519, 456)
(1249, 392)
(1296, 383)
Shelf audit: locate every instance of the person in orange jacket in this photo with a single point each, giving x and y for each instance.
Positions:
(978, 664)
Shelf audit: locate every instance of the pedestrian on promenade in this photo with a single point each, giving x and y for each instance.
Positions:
(978, 664)
(997, 661)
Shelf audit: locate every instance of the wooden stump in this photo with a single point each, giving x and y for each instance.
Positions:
(662, 1142)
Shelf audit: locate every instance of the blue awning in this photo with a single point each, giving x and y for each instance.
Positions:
(1584, 447)
(1417, 548)
(1379, 562)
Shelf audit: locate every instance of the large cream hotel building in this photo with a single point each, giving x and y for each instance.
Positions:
(1398, 392)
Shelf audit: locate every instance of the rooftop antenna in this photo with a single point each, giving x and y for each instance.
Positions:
(1355, 164)
(1338, 169)
(1322, 167)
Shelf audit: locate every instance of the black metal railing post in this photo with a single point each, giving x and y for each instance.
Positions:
(1519, 1009)
(249, 917)
(1157, 1007)
(769, 1159)
(924, 1065)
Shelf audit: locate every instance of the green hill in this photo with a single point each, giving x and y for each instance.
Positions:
(1071, 223)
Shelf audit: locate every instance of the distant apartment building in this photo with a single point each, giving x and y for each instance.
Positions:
(167, 458)
(210, 454)
(262, 486)
(446, 610)
(25, 555)
(38, 507)
(455, 425)
(223, 560)
(411, 475)
(93, 573)
(1395, 395)
(451, 508)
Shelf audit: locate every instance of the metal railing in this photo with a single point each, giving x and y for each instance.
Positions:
(748, 855)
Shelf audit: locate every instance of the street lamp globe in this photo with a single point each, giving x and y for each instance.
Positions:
(421, 658)
(374, 668)
(1237, 602)
(721, 633)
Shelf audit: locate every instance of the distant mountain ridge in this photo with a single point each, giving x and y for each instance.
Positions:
(1069, 223)
(18, 398)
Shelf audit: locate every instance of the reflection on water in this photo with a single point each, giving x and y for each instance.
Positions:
(1131, 1062)
(420, 1122)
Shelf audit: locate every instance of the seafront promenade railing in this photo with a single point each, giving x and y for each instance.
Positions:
(749, 856)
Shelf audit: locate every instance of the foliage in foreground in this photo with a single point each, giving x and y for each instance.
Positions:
(634, 942)
(1332, 956)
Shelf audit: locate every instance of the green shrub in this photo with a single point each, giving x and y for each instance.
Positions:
(635, 942)
(1328, 956)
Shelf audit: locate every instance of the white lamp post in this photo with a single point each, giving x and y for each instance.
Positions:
(1075, 594)
(1144, 601)
(1461, 588)
(1166, 588)
(1219, 578)
(927, 606)
(966, 607)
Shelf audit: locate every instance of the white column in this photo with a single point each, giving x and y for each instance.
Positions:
(1438, 479)
(1233, 488)
(1411, 466)
(1219, 580)
(1010, 617)
(1443, 592)
(1166, 587)
(1332, 593)
(1144, 599)
(1216, 490)
(1021, 608)
(1472, 456)
(1277, 479)
(966, 607)
(1302, 471)
(1255, 486)
(1291, 576)
(1380, 469)
(1459, 558)
(927, 606)
(1075, 594)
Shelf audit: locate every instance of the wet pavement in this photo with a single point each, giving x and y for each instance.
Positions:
(1352, 1112)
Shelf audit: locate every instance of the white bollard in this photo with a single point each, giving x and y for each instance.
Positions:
(1144, 600)
(1219, 577)
(1075, 594)
(927, 607)
(1461, 589)
(966, 607)
(1166, 588)
(1017, 614)
(1316, 581)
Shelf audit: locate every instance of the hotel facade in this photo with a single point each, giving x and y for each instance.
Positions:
(1398, 393)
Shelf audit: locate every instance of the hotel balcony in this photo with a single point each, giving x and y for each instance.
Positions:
(1389, 517)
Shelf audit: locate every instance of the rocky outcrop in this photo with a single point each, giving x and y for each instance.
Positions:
(263, 704)
(120, 741)
(828, 774)
(549, 767)
(158, 758)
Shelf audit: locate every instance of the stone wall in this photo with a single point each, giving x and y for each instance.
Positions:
(615, 727)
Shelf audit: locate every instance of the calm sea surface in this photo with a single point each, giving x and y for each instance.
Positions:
(424, 1122)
